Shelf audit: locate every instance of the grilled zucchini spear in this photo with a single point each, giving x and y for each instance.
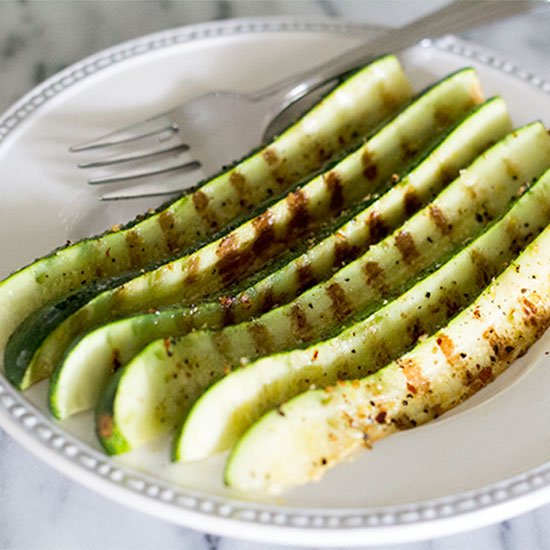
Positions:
(300, 440)
(354, 109)
(252, 243)
(160, 383)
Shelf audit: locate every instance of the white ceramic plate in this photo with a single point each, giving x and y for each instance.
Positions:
(487, 460)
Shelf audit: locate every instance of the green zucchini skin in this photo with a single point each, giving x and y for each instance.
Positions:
(78, 381)
(254, 242)
(379, 90)
(159, 385)
(231, 405)
(320, 428)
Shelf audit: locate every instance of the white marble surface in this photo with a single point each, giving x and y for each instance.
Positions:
(40, 507)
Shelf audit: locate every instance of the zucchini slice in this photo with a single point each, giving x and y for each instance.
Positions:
(255, 241)
(159, 384)
(355, 108)
(303, 438)
(86, 368)
(231, 405)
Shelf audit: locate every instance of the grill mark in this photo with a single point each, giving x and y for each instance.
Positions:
(227, 303)
(447, 174)
(530, 309)
(405, 244)
(339, 302)
(447, 347)
(232, 262)
(269, 300)
(483, 268)
(416, 381)
(513, 231)
(270, 156)
(374, 275)
(411, 201)
(192, 269)
(134, 244)
(383, 353)
(533, 311)
(408, 149)
(300, 324)
(265, 234)
(415, 330)
(377, 228)
(518, 243)
(166, 222)
(334, 185)
(200, 200)
(238, 182)
(442, 117)
(370, 168)
(390, 99)
(453, 302)
(261, 336)
(297, 205)
(306, 277)
(343, 250)
(440, 220)
(227, 245)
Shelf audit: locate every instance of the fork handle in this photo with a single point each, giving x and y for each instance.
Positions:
(456, 17)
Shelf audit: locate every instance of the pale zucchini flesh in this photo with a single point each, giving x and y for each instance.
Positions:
(303, 438)
(88, 365)
(160, 383)
(353, 109)
(255, 241)
(224, 412)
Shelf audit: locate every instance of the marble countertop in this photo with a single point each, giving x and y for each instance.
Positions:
(40, 507)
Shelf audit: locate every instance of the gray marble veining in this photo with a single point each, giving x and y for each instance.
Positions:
(40, 507)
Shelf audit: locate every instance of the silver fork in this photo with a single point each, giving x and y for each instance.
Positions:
(178, 148)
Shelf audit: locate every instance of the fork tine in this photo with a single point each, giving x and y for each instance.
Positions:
(151, 127)
(168, 183)
(185, 165)
(133, 157)
(122, 196)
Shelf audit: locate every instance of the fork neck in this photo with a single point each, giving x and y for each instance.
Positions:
(456, 17)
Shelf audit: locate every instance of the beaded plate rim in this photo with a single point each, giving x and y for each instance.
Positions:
(193, 509)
